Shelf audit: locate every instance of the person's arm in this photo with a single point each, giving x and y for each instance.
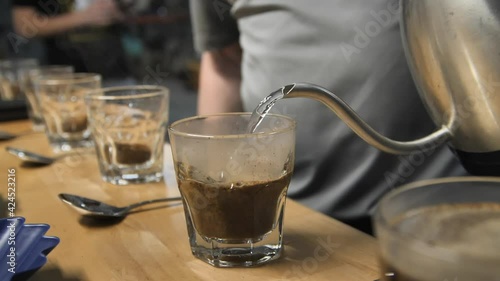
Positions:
(29, 23)
(216, 37)
(220, 78)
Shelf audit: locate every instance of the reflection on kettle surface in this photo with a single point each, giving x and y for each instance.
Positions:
(452, 50)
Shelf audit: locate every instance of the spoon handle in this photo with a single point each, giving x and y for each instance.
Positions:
(133, 206)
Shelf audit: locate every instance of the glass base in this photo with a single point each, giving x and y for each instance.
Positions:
(38, 127)
(64, 146)
(37, 122)
(238, 253)
(132, 178)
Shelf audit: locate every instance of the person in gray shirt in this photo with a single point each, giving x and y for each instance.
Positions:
(250, 48)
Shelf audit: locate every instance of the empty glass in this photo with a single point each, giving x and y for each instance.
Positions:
(28, 76)
(63, 108)
(128, 127)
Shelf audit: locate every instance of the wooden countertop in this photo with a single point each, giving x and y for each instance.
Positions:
(153, 245)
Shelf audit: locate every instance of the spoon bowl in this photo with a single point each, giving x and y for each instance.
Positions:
(94, 208)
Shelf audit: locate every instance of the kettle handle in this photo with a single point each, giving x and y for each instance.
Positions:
(360, 127)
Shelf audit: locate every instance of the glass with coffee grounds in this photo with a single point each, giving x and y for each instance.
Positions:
(61, 99)
(442, 229)
(128, 128)
(11, 78)
(234, 184)
(28, 76)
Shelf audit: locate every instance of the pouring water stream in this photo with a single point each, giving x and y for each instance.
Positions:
(348, 116)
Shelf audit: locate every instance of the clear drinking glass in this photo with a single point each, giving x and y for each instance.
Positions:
(128, 127)
(442, 229)
(10, 80)
(63, 108)
(234, 185)
(28, 77)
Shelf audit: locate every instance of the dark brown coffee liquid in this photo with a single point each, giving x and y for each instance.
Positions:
(130, 154)
(17, 94)
(74, 124)
(238, 211)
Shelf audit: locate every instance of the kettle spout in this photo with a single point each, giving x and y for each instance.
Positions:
(361, 128)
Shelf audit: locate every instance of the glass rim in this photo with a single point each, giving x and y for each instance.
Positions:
(381, 220)
(228, 136)
(68, 78)
(100, 94)
(39, 70)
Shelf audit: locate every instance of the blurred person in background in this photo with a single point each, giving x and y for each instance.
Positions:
(82, 33)
(351, 47)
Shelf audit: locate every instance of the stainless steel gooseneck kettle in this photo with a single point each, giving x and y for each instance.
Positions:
(453, 50)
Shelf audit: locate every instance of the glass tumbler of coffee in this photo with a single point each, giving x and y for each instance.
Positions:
(128, 127)
(441, 229)
(233, 184)
(61, 98)
(28, 77)
(10, 78)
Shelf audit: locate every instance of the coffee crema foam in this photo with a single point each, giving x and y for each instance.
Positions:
(469, 231)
